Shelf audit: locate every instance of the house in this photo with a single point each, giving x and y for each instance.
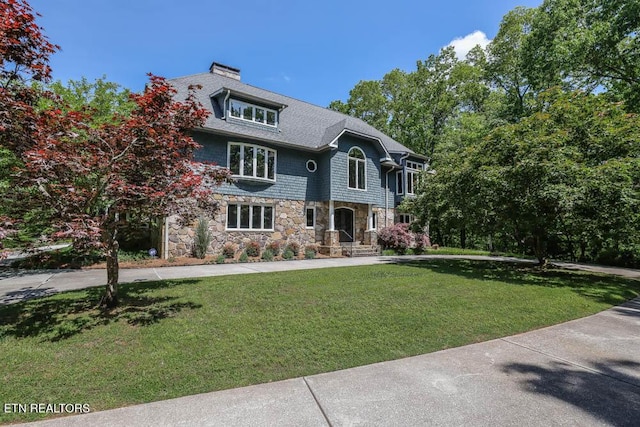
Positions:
(302, 173)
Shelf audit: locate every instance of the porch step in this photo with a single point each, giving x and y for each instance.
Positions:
(360, 250)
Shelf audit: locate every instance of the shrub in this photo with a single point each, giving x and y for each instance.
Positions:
(220, 259)
(312, 248)
(293, 247)
(422, 242)
(253, 249)
(229, 250)
(388, 252)
(267, 255)
(309, 254)
(288, 254)
(274, 247)
(243, 257)
(395, 237)
(202, 238)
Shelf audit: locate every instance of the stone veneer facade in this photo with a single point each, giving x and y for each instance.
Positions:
(289, 226)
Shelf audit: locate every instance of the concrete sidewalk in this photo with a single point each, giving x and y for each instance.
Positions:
(581, 373)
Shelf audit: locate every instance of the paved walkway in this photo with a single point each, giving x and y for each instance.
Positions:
(584, 372)
(18, 285)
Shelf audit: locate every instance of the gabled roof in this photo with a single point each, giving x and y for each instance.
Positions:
(301, 124)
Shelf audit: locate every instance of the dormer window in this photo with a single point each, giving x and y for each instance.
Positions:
(253, 113)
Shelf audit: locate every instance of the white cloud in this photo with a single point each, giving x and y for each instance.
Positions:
(463, 45)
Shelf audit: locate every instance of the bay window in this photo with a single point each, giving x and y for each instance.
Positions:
(252, 161)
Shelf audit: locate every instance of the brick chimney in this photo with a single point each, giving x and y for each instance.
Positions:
(225, 70)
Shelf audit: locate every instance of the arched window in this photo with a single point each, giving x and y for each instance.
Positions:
(357, 169)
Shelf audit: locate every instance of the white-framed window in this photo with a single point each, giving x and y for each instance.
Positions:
(253, 113)
(241, 216)
(413, 178)
(357, 169)
(415, 165)
(310, 217)
(312, 166)
(252, 161)
(399, 182)
(405, 218)
(413, 175)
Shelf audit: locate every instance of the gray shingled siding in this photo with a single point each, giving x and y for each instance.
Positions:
(293, 180)
(323, 176)
(340, 190)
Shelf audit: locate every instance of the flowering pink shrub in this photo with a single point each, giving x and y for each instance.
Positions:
(396, 237)
(422, 242)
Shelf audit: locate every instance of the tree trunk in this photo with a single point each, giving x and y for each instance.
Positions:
(110, 298)
(538, 249)
(463, 237)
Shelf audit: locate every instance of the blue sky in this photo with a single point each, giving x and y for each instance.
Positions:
(313, 51)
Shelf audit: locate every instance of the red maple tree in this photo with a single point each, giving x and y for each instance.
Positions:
(90, 176)
(24, 57)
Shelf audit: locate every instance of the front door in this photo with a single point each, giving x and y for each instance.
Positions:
(344, 224)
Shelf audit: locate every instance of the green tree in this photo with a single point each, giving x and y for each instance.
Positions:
(586, 44)
(505, 65)
(367, 102)
(104, 100)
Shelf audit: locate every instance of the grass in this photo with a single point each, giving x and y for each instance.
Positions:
(440, 251)
(181, 337)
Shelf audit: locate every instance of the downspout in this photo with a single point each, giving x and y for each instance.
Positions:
(224, 104)
(404, 178)
(166, 238)
(386, 198)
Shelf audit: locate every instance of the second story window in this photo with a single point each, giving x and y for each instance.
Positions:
(357, 169)
(253, 113)
(413, 175)
(252, 161)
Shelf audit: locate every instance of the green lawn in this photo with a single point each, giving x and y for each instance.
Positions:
(181, 337)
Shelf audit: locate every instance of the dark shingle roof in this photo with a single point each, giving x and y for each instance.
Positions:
(301, 124)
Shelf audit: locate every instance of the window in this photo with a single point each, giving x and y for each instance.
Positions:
(399, 183)
(249, 217)
(312, 166)
(413, 176)
(357, 169)
(311, 217)
(405, 218)
(253, 113)
(415, 165)
(412, 181)
(252, 161)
